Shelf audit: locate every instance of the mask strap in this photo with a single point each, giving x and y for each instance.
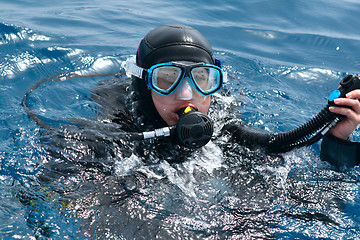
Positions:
(225, 77)
(218, 63)
(132, 69)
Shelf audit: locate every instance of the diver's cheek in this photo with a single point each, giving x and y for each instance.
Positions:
(167, 115)
(203, 104)
(164, 107)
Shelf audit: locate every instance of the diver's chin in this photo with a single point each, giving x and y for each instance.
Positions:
(172, 119)
(176, 117)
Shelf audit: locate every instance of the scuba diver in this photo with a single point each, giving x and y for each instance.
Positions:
(173, 81)
(175, 68)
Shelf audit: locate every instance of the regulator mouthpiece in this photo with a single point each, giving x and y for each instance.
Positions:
(194, 129)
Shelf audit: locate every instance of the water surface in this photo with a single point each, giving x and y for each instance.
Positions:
(286, 56)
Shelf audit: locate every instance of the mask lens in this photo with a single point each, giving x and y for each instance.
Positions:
(164, 78)
(207, 79)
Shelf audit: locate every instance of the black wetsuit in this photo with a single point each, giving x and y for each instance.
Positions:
(339, 152)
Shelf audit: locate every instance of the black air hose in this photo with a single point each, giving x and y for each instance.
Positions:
(57, 77)
(282, 142)
(303, 135)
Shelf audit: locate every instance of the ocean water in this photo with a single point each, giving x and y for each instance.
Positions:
(286, 56)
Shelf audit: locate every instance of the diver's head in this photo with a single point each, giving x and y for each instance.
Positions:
(180, 71)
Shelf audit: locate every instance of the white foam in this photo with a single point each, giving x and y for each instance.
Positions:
(124, 166)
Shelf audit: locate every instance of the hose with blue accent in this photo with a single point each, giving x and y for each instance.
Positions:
(306, 134)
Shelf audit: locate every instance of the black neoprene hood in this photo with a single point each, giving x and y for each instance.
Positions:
(173, 43)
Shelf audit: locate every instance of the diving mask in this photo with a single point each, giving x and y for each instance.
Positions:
(164, 78)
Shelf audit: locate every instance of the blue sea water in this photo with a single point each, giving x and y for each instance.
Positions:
(286, 56)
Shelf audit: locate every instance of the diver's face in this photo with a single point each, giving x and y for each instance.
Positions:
(185, 95)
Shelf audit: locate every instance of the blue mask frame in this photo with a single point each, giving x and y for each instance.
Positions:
(147, 75)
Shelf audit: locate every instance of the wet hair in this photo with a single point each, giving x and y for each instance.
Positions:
(164, 44)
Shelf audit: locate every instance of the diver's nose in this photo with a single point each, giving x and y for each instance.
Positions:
(184, 90)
